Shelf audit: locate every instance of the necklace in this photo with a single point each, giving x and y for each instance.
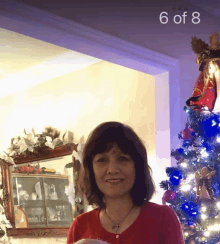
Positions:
(117, 226)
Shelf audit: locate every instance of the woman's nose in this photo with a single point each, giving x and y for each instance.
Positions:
(112, 164)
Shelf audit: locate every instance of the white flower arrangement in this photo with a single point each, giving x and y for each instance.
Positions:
(32, 142)
(78, 154)
(4, 223)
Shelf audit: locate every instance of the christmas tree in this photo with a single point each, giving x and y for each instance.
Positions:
(193, 187)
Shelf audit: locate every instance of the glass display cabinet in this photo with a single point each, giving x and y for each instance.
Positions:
(42, 199)
(39, 194)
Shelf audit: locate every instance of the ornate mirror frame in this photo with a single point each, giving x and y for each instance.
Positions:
(6, 169)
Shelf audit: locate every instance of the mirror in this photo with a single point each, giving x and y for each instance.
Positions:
(39, 194)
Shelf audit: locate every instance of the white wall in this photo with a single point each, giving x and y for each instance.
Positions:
(79, 38)
(81, 100)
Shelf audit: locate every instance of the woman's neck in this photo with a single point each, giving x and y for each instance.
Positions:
(117, 209)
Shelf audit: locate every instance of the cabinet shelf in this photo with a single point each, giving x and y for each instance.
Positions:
(50, 203)
(56, 176)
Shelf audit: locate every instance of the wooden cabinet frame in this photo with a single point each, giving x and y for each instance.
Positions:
(6, 169)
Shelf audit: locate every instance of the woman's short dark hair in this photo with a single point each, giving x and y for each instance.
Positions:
(110, 133)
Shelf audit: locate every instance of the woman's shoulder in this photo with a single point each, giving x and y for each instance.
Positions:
(154, 208)
(81, 224)
(156, 213)
(87, 215)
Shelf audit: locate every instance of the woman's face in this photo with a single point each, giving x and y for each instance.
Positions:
(114, 165)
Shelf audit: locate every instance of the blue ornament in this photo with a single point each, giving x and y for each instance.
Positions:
(209, 127)
(190, 222)
(181, 150)
(185, 207)
(190, 209)
(193, 210)
(186, 143)
(175, 177)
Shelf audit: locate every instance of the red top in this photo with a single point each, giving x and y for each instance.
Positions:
(156, 224)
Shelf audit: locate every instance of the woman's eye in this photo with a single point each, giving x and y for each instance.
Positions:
(123, 158)
(101, 160)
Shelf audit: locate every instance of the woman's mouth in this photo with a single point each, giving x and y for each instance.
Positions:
(114, 182)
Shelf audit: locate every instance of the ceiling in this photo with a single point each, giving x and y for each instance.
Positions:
(60, 2)
(210, 6)
(25, 62)
(23, 58)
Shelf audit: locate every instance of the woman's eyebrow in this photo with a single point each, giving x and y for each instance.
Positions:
(117, 151)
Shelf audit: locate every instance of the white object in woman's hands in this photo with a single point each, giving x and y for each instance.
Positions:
(90, 241)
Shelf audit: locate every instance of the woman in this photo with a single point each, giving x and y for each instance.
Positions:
(116, 179)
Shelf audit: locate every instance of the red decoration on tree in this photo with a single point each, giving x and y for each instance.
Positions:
(203, 95)
(169, 195)
(187, 134)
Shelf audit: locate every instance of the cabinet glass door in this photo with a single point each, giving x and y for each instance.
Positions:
(41, 201)
(29, 207)
(59, 209)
